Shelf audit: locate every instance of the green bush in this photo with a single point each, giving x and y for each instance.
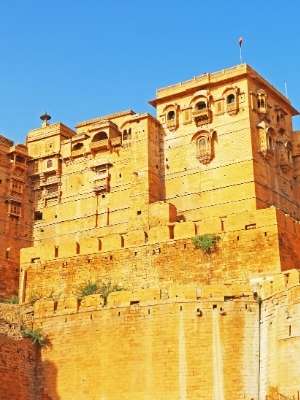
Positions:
(11, 300)
(36, 336)
(87, 289)
(106, 288)
(102, 288)
(207, 243)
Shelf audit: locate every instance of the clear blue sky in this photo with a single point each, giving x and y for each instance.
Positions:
(81, 59)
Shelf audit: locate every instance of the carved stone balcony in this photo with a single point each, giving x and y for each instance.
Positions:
(78, 152)
(50, 180)
(100, 145)
(171, 124)
(104, 136)
(14, 198)
(101, 185)
(202, 117)
(50, 194)
(116, 141)
(232, 108)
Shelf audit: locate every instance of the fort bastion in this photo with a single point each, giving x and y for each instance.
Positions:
(125, 199)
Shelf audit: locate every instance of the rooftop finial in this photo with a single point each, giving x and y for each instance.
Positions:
(45, 119)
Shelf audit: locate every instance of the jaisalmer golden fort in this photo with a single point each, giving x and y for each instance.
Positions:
(155, 258)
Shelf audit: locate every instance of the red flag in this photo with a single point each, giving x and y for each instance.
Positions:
(241, 40)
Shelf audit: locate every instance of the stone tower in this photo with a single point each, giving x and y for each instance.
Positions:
(123, 204)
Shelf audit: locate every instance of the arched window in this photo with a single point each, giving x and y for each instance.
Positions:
(171, 115)
(201, 105)
(204, 150)
(202, 146)
(77, 146)
(49, 163)
(100, 136)
(260, 103)
(230, 99)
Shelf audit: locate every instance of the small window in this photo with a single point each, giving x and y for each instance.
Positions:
(20, 159)
(201, 105)
(77, 248)
(122, 241)
(100, 136)
(38, 215)
(127, 134)
(171, 115)
(261, 103)
(77, 146)
(99, 244)
(230, 99)
(56, 251)
(49, 163)
(7, 253)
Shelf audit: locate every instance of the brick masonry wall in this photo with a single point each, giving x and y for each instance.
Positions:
(19, 359)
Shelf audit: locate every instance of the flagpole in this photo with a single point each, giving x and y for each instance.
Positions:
(241, 40)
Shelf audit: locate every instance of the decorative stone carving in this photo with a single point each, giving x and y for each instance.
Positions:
(170, 116)
(266, 139)
(285, 157)
(261, 101)
(201, 108)
(204, 146)
(231, 99)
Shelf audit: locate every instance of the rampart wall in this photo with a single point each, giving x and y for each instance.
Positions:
(151, 344)
(188, 342)
(220, 341)
(249, 244)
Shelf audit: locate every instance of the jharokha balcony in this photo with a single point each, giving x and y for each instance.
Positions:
(202, 116)
(101, 185)
(100, 142)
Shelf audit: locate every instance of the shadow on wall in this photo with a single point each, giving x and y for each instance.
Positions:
(23, 375)
(48, 381)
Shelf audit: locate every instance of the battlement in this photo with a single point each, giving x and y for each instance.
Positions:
(145, 297)
(210, 79)
(269, 285)
(245, 224)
